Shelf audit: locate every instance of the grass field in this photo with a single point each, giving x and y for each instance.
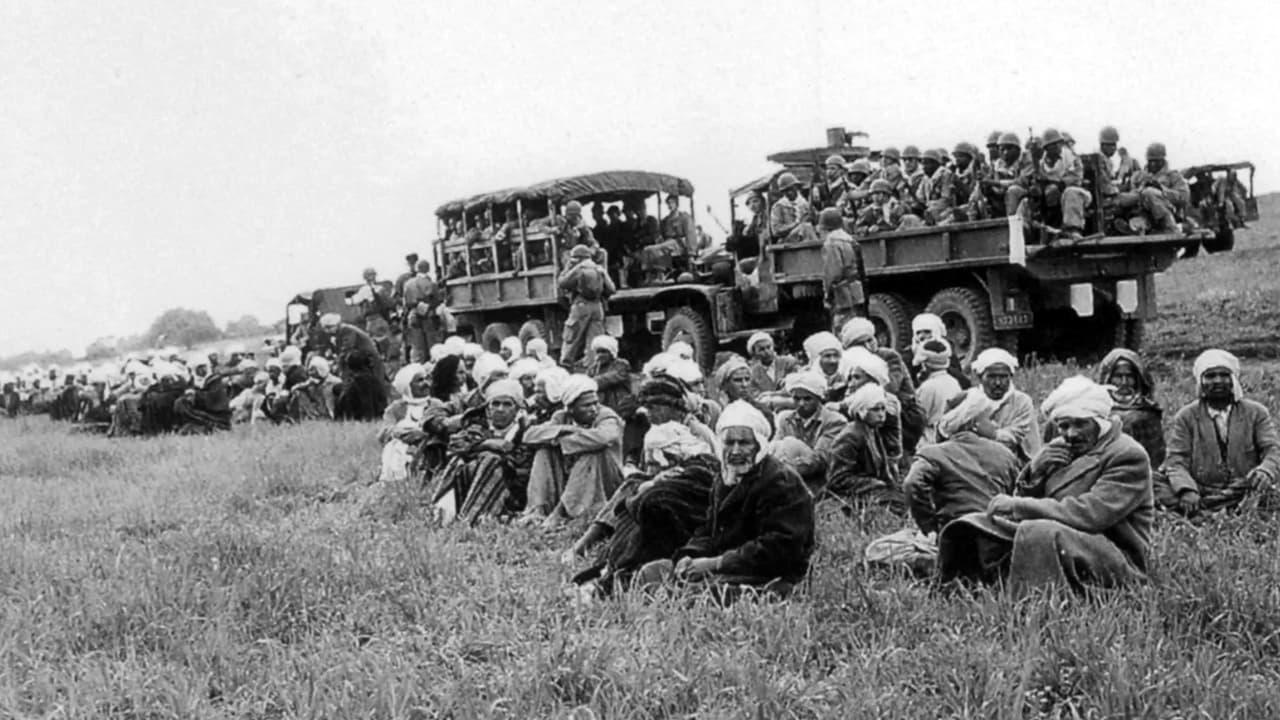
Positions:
(243, 576)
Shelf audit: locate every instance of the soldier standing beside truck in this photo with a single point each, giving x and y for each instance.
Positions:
(587, 286)
(841, 281)
(422, 327)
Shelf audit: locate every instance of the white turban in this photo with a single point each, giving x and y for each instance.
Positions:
(261, 378)
(274, 363)
(857, 331)
(320, 365)
(672, 442)
(1210, 359)
(537, 348)
(818, 343)
(605, 342)
(513, 346)
(872, 365)
(930, 322)
(741, 413)
(134, 367)
(994, 356)
(525, 368)
(575, 387)
(487, 366)
(810, 381)
(933, 359)
(510, 389)
(975, 405)
(196, 359)
(329, 321)
(756, 339)
(730, 366)
(681, 349)
(686, 371)
(247, 365)
(472, 350)
(454, 345)
(437, 353)
(1079, 397)
(865, 398)
(404, 377)
(659, 363)
(291, 356)
(553, 380)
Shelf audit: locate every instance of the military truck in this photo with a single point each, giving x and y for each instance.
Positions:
(303, 311)
(1214, 201)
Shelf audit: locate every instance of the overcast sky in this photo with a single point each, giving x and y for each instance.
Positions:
(225, 154)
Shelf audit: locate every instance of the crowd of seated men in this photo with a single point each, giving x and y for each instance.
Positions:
(677, 479)
(1046, 181)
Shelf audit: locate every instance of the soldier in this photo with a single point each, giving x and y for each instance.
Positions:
(791, 218)
(993, 146)
(1010, 176)
(827, 194)
(855, 195)
(1158, 190)
(640, 231)
(935, 192)
(412, 260)
(420, 313)
(570, 230)
(677, 241)
(840, 260)
(884, 213)
(915, 176)
(588, 286)
(1056, 183)
(966, 195)
(1121, 169)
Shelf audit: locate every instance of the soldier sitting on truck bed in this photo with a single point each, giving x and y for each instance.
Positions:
(1056, 185)
(892, 172)
(935, 193)
(966, 199)
(1158, 191)
(1005, 186)
(827, 194)
(883, 213)
(657, 260)
(910, 195)
(791, 219)
(1120, 166)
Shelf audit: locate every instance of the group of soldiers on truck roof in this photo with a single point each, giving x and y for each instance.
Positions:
(1045, 182)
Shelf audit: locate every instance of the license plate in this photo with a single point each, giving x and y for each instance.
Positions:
(1009, 321)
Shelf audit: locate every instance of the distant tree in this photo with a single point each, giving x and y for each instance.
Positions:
(42, 359)
(184, 327)
(102, 349)
(247, 326)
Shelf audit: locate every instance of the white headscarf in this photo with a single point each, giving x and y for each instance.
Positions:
(994, 356)
(437, 353)
(810, 381)
(658, 364)
(290, 356)
(1214, 358)
(681, 349)
(508, 388)
(404, 379)
(553, 380)
(605, 342)
(329, 321)
(513, 346)
(1079, 397)
(686, 371)
(525, 367)
(975, 405)
(865, 398)
(321, 366)
(455, 345)
(756, 339)
(818, 343)
(856, 332)
(487, 366)
(575, 387)
(537, 349)
(930, 322)
(860, 358)
(671, 443)
(743, 414)
(472, 350)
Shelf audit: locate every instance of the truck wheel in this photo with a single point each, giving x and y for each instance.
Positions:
(493, 335)
(967, 316)
(533, 329)
(892, 318)
(1223, 241)
(691, 326)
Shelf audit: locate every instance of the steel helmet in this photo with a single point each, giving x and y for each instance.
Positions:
(1066, 137)
(1050, 137)
(860, 166)
(830, 219)
(573, 206)
(834, 160)
(881, 185)
(890, 153)
(1010, 139)
(965, 148)
(1155, 151)
(994, 138)
(932, 154)
(1108, 135)
(911, 152)
(580, 252)
(787, 180)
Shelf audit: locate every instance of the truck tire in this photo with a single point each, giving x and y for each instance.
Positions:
(1223, 241)
(967, 315)
(533, 329)
(691, 325)
(493, 335)
(892, 318)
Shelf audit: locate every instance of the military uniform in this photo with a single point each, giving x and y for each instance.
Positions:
(936, 194)
(422, 297)
(587, 285)
(840, 283)
(1162, 194)
(1060, 181)
(791, 220)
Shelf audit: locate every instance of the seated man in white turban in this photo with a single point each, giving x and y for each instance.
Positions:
(613, 382)
(864, 367)
(511, 350)
(402, 431)
(656, 511)
(963, 470)
(862, 470)
(938, 387)
(1223, 446)
(536, 349)
(811, 422)
(578, 464)
(314, 398)
(487, 368)
(732, 382)
(860, 332)
(1082, 512)
(206, 405)
(1015, 415)
(824, 353)
(768, 368)
(759, 529)
(489, 463)
(548, 387)
(926, 327)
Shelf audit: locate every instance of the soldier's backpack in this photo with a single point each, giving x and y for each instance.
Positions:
(591, 283)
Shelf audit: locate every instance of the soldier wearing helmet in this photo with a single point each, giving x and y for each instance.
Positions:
(842, 271)
(915, 176)
(791, 218)
(966, 199)
(1157, 191)
(1010, 176)
(936, 192)
(587, 285)
(679, 239)
(828, 192)
(1120, 165)
(859, 188)
(570, 230)
(891, 171)
(1056, 186)
(993, 146)
(883, 212)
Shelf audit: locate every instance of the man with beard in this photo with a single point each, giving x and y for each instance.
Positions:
(1082, 510)
(811, 422)
(1015, 415)
(1222, 447)
(768, 369)
(758, 533)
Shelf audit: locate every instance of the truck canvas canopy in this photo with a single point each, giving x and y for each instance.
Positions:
(608, 186)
